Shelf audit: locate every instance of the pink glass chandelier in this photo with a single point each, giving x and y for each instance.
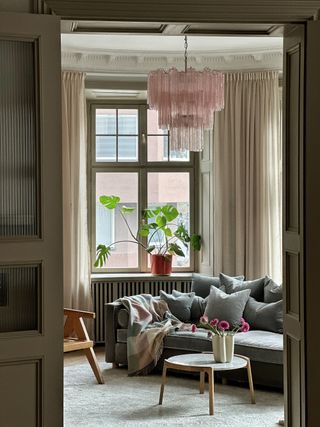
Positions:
(186, 102)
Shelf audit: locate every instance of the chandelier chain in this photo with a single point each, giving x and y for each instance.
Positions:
(185, 53)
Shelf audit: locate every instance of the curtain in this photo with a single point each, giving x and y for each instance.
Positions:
(74, 158)
(247, 177)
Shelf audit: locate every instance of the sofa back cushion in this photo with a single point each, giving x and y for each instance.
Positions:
(179, 304)
(197, 307)
(260, 315)
(272, 291)
(201, 284)
(226, 307)
(233, 284)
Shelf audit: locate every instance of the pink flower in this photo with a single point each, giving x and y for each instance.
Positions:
(193, 328)
(242, 321)
(204, 319)
(214, 322)
(245, 327)
(209, 334)
(223, 325)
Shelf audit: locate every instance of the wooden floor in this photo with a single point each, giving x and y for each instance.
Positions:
(75, 357)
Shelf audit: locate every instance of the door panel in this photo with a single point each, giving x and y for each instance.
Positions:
(293, 239)
(312, 225)
(19, 154)
(31, 288)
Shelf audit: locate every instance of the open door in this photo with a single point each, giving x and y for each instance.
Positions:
(31, 288)
(301, 212)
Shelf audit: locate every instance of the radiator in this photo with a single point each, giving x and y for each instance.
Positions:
(109, 291)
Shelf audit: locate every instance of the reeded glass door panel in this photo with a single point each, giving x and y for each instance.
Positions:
(19, 296)
(19, 215)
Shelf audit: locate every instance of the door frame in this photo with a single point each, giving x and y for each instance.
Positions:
(273, 12)
(227, 11)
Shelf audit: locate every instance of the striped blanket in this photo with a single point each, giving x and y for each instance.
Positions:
(149, 322)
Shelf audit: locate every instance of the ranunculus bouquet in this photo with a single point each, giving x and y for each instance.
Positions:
(220, 327)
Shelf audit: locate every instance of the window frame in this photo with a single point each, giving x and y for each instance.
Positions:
(142, 167)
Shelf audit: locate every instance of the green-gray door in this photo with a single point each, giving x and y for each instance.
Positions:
(301, 223)
(31, 307)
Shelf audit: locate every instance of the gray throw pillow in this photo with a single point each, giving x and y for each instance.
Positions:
(197, 308)
(179, 305)
(232, 284)
(272, 291)
(267, 317)
(201, 284)
(226, 307)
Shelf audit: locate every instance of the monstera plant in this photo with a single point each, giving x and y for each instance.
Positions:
(160, 233)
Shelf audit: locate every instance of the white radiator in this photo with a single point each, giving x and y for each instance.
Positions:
(109, 291)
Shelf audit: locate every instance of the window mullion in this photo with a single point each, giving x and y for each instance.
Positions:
(117, 135)
(143, 205)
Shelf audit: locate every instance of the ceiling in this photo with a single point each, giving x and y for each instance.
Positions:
(118, 57)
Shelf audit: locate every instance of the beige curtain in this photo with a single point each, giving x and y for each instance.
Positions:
(247, 177)
(75, 233)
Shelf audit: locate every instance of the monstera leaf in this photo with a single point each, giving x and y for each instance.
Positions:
(103, 253)
(109, 202)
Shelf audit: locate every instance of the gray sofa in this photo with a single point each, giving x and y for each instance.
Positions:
(264, 348)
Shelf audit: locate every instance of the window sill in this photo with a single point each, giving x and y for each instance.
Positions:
(145, 276)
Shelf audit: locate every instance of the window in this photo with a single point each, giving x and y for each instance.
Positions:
(116, 135)
(131, 158)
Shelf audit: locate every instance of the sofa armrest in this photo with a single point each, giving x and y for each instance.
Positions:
(111, 318)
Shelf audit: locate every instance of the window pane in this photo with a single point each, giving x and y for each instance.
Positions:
(171, 188)
(157, 148)
(106, 148)
(153, 127)
(159, 137)
(110, 226)
(128, 122)
(106, 122)
(128, 148)
(179, 156)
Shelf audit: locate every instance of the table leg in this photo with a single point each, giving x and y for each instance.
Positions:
(202, 378)
(210, 373)
(253, 399)
(164, 377)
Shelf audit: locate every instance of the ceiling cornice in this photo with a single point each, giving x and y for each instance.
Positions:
(143, 63)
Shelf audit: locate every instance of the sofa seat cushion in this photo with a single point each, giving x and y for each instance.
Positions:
(261, 346)
(189, 341)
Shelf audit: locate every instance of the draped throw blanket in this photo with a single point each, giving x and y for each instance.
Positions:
(149, 323)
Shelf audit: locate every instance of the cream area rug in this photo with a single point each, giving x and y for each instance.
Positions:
(133, 401)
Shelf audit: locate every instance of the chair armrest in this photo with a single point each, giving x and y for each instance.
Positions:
(78, 313)
(111, 326)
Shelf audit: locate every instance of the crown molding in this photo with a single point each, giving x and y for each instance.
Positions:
(142, 64)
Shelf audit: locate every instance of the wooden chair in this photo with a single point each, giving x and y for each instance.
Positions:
(74, 325)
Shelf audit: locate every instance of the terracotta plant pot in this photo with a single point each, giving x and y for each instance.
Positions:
(161, 265)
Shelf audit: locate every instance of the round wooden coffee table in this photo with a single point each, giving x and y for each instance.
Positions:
(204, 364)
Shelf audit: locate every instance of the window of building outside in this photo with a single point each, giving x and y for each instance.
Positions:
(131, 158)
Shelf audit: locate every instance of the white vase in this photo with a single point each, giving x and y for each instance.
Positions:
(229, 347)
(219, 348)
